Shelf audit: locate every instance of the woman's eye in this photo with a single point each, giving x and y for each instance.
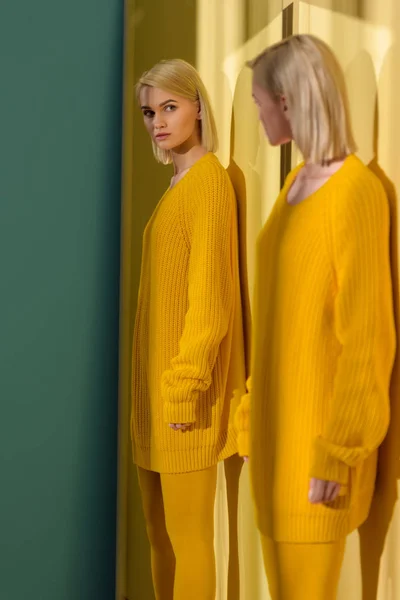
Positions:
(148, 113)
(170, 107)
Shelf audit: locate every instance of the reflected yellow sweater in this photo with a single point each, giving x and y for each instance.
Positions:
(323, 350)
(188, 352)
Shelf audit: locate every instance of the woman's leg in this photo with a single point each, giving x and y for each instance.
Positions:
(162, 555)
(303, 571)
(233, 468)
(189, 513)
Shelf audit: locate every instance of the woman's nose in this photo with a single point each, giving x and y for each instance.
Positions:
(159, 121)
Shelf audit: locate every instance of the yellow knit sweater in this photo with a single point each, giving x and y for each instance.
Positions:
(323, 350)
(188, 351)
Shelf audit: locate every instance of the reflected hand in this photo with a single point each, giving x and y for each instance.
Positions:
(322, 491)
(180, 426)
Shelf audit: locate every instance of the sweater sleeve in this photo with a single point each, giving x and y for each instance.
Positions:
(242, 423)
(210, 299)
(364, 325)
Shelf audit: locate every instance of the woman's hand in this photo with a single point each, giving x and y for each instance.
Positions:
(246, 458)
(180, 426)
(322, 491)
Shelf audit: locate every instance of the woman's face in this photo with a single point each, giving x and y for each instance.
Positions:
(274, 116)
(172, 121)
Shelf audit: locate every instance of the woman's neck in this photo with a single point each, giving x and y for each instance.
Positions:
(320, 171)
(184, 160)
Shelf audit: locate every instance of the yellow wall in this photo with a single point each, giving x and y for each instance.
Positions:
(218, 36)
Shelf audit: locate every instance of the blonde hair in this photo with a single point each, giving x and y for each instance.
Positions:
(179, 77)
(304, 70)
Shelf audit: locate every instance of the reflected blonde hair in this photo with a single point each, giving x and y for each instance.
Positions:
(304, 70)
(181, 78)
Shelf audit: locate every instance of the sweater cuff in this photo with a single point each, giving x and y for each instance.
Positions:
(327, 467)
(181, 412)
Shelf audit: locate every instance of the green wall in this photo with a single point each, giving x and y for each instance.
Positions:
(60, 124)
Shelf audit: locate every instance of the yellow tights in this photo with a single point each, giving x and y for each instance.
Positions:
(179, 515)
(302, 571)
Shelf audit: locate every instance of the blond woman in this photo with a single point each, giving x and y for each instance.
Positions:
(324, 338)
(188, 352)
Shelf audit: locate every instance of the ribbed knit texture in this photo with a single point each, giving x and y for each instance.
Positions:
(323, 350)
(188, 350)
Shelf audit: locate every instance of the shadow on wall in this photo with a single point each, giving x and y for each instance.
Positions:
(238, 135)
(243, 169)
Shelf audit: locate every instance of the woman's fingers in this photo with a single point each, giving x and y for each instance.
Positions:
(317, 490)
(323, 491)
(179, 426)
(334, 492)
(329, 491)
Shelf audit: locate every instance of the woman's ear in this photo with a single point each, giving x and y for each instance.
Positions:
(198, 111)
